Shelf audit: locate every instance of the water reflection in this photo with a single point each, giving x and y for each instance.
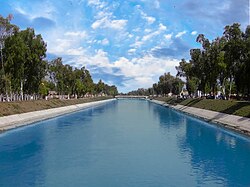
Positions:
(214, 154)
(169, 120)
(123, 143)
(17, 153)
(31, 155)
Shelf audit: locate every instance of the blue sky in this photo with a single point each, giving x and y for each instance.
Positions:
(126, 43)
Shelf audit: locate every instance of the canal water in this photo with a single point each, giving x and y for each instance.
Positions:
(124, 143)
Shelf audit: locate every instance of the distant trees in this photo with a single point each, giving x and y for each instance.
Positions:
(222, 64)
(24, 70)
(67, 80)
(141, 91)
(166, 84)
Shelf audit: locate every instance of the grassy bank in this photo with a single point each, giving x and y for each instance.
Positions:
(240, 108)
(9, 108)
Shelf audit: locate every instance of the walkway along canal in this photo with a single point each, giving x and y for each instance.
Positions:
(124, 143)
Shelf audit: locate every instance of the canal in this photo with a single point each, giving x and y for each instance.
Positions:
(124, 143)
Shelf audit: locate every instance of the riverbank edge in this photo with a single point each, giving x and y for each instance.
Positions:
(24, 119)
(228, 121)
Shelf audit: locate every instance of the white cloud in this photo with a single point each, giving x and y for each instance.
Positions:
(105, 41)
(37, 9)
(97, 3)
(79, 34)
(138, 29)
(138, 72)
(157, 4)
(147, 30)
(137, 44)
(149, 36)
(98, 23)
(156, 33)
(144, 71)
(131, 51)
(149, 19)
(162, 27)
(180, 34)
(102, 14)
(108, 23)
(59, 46)
(20, 10)
(76, 52)
(168, 36)
(130, 35)
(194, 32)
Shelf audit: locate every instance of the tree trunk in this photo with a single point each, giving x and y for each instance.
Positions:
(230, 88)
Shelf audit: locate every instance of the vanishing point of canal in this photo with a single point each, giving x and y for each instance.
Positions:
(124, 143)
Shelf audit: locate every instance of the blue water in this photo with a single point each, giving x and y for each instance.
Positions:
(125, 143)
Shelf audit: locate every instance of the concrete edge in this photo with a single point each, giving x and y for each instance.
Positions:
(231, 122)
(19, 120)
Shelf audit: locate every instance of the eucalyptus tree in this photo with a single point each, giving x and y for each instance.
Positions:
(185, 69)
(6, 30)
(35, 66)
(15, 61)
(198, 68)
(56, 71)
(234, 53)
(24, 53)
(100, 86)
(83, 82)
(246, 73)
(168, 84)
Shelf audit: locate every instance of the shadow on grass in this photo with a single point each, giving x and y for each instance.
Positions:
(236, 107)
(192, 102)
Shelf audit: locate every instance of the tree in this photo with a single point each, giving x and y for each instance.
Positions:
(246, 74)
(35, 65)
(185, 70)
(6, 30)
(234, 52)
(15, 58)
(177, 86)
(24, 53)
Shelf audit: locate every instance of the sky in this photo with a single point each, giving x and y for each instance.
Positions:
(128, 43)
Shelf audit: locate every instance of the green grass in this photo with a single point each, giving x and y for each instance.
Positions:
(9, 108)
(240, 108)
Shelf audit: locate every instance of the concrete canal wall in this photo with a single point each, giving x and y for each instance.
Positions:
(237, 123)
(18, 120)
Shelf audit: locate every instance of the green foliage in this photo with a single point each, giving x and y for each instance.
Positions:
(169, 84)
(166, 84)
(44, 88)
(225, 59)
(23, 69)
(23, 56)
(68, 80)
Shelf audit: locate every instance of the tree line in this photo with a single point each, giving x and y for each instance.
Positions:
(166, 84)
(222, 64)
(24, 69)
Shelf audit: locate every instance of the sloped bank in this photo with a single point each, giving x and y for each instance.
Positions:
(236, 123)
(19, 120)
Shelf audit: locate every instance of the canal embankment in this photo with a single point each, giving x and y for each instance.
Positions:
(19, 120)
(234, 122)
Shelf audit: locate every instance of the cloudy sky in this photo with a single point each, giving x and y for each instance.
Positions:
(129, 43)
